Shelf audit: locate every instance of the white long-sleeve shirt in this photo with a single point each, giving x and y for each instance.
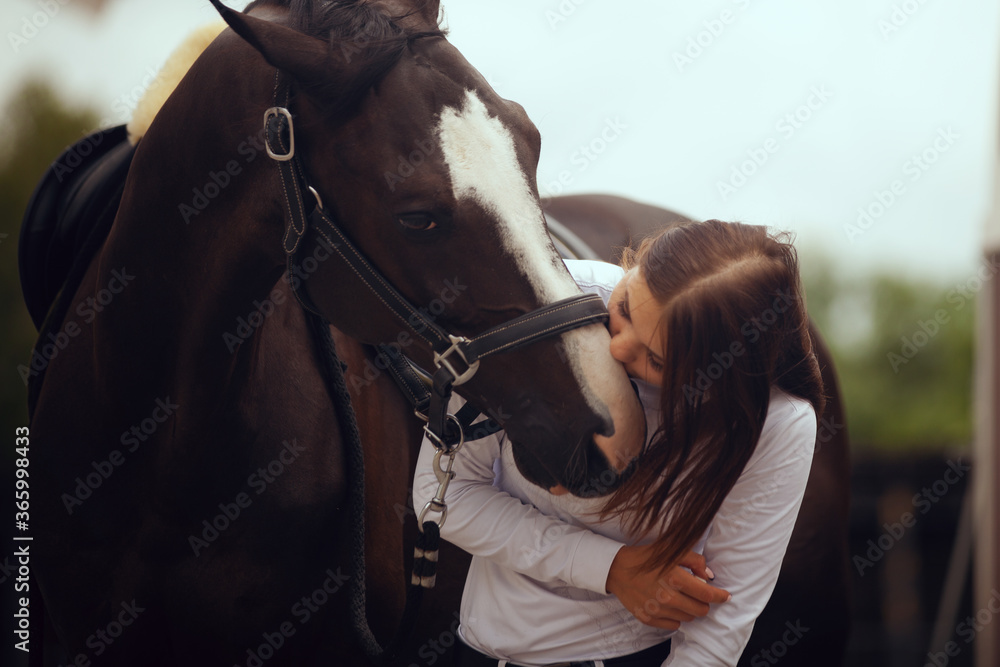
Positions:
(535, 592)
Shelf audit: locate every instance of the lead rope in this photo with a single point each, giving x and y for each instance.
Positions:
(425, 561)
(424, 569)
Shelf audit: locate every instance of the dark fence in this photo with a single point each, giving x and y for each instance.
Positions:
(905, 515)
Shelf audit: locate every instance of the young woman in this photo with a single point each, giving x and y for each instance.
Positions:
(709, 319)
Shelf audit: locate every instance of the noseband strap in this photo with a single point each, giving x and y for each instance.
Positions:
(459, 355)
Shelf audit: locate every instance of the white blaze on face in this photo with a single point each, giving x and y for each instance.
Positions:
(482, 162)
(483, 166)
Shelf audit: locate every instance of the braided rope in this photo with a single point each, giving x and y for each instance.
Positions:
(425, 561)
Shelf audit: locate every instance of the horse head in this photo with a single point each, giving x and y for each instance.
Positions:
(432, 175)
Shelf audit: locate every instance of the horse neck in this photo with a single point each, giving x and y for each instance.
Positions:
(199, 228)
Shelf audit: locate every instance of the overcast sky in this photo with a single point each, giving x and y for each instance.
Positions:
(791, 114)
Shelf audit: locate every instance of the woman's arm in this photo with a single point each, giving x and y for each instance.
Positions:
(491, 523)
(747, 540)
(488, 522)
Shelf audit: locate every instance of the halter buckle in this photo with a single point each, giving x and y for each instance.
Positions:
(276, 112)
(458, 344)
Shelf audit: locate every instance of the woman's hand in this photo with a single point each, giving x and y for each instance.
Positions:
(663, 597)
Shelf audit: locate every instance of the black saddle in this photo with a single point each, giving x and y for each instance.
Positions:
(69, 216)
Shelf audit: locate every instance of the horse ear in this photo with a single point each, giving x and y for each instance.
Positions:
(431, 10)
(303, 57)
(428, 10)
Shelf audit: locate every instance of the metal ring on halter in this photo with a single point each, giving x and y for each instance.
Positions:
(436, 507)
(439, 444)
(458, 343)
(319, 201)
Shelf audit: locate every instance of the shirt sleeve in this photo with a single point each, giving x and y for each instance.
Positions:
(747, 540)
(488, 522)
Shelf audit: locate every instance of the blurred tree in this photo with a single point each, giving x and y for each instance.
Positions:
(904, 352)
(39, 127)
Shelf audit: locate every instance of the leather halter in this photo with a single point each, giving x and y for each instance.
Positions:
(456, 358)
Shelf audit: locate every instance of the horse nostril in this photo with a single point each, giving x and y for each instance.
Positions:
(618, 445)
(601, 476)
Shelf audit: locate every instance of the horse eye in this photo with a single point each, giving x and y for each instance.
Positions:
(418, 222)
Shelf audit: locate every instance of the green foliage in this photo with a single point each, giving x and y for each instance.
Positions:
(38, 128)
(904, 353)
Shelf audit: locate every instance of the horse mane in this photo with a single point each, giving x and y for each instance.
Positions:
(370, 40)
(347, 19)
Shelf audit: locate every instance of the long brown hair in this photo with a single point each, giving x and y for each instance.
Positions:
(733, 325)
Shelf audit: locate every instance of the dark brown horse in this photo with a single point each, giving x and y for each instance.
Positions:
(188, 477)
(812, 595)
